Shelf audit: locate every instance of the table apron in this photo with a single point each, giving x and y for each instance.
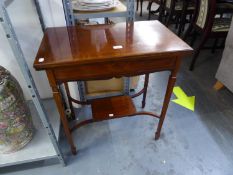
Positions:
(106, 70)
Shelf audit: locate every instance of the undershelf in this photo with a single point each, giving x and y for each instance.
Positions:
(40, 147)
(112, 107)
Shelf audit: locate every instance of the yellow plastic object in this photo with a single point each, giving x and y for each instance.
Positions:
(183, 99)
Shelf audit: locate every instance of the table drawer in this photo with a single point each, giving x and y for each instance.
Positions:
(116, 69)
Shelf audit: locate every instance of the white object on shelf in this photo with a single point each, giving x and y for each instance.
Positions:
(40, 147)
(97, 5)
(119, 11)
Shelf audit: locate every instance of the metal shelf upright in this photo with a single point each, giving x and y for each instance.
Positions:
(47, 141)
(120, 11)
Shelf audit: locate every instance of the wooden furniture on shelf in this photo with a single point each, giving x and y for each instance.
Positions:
(69, 54)
(208, 25)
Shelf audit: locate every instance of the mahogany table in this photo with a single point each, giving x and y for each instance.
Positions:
(107, 51)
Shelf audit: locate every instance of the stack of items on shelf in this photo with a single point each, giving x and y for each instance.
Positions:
(94, 5)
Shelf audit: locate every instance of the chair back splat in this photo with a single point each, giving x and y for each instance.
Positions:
(208, 24)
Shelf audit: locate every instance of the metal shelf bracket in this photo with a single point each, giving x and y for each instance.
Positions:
(18, 53)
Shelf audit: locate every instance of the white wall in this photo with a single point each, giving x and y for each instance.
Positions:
(26, 24)
(8, 61)
(53, 13)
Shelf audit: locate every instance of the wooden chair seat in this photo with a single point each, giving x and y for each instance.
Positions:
(221, 25)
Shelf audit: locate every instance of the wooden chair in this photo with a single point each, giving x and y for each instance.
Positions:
(208, 26)
(175, 8)
(188, 8)
(141, 4)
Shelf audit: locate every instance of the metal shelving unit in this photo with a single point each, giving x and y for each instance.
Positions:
(45, 140)
(120, 11)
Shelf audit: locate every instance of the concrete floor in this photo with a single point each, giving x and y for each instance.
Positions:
(191, 143)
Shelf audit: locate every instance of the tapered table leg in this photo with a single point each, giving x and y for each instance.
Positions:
(171, 83)
(60, 107)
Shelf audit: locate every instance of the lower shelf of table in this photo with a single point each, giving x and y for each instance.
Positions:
(40, 147)
(113, 107)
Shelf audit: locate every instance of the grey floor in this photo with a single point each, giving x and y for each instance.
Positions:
(191, 143)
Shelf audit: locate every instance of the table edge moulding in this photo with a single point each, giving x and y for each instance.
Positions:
(106, 51)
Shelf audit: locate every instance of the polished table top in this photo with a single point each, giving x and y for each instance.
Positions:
(65, 46)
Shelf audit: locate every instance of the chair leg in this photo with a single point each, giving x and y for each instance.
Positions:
(222, 45)
(161, 12)
(214, 45)
(204, 38)
(182, 23)
(189, 30)
(193, 38)
(183, 27)
(149, 8)
(169, 18)
(177, 20)
(180, 29)
(141, 2)
(148, 5)
(137, 5)
(145, 90)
